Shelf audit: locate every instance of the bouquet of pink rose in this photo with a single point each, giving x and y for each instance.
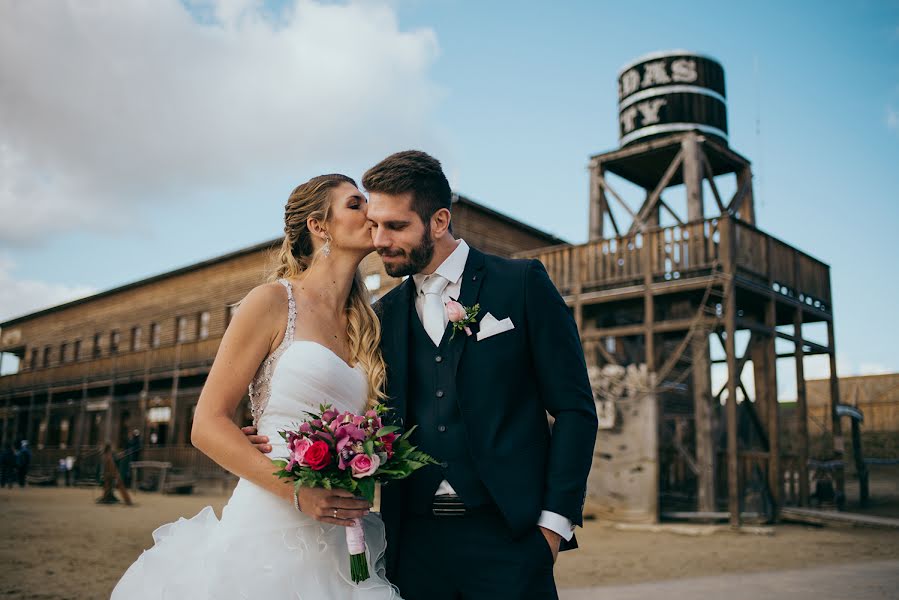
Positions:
(349, 452)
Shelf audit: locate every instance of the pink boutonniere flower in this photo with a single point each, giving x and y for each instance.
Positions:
(461, 316)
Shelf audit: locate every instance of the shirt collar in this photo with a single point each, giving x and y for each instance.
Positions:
(451, 268)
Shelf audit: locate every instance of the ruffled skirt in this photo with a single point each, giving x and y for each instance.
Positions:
(261, 548)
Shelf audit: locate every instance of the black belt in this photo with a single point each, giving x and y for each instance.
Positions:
(450, 505)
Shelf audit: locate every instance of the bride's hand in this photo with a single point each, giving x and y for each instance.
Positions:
(338, 507)
(260, 442)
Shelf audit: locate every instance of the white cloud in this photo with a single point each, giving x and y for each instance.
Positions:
(105, 106)
(22, 296)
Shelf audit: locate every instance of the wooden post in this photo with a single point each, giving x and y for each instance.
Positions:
(747, 207)
(580, 260)
(649, 240)
(174, 402)
(598, 203)
(838, 442)
(730, 328)
(775, 480)
(703, 416)
(30, 426)
(801, 408)
(693, 177)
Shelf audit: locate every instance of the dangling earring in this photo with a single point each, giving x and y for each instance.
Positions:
(326, 249)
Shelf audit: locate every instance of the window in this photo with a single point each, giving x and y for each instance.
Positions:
(203, 325)
(154, 335)
(181, 329)
(34, 358)
(114, 339)
(135, 338)
(46, 361)
(96, 352)
(230, 311)
(76, 350)
(62, 352)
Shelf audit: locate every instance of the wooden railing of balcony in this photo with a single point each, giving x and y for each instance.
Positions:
(124, 365)
(683, 251)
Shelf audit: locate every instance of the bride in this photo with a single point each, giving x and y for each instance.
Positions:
(308, 338)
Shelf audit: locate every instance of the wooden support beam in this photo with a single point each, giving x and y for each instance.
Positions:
(605, 353)
(812, 346)
(652, 200)
(743, 192)
(669, 326)
(747, 206)
(704, 423)
(710, 176)
(728, 244)
(766, 389)
(670, 211)
(837, 430)
(608, 188)
(692, 158)
(802, 410)
(598, 206)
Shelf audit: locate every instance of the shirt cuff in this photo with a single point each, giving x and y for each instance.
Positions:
(558, 523)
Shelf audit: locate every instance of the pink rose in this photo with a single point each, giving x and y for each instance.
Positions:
(364, 465)
(298, 450)
(455, 312)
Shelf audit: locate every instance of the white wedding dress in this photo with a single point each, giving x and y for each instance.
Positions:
(263, 548)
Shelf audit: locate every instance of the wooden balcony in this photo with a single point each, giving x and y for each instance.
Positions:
(687, 251)
(123, 366)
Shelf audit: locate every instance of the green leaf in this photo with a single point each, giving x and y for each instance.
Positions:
(369, 447)
(387, 429)
(367, 488)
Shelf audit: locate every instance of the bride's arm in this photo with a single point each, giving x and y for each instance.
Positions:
(254, 331)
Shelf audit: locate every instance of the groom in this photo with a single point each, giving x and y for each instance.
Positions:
(490, 520)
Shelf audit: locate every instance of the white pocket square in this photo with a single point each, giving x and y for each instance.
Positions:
(489, 326)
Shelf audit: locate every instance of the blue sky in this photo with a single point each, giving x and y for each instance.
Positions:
(513, 97)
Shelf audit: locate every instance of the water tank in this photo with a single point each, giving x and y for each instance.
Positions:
(669, 92)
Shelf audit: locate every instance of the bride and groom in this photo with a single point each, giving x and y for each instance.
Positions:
(489, 520)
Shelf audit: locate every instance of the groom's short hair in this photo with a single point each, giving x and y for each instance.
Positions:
(412, 171)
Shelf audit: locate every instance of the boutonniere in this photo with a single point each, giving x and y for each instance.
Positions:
(461, 316)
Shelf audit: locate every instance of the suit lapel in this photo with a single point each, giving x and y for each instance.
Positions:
(472, 279)
(396, 348)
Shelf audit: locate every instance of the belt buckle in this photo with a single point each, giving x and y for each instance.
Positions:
(448, 506)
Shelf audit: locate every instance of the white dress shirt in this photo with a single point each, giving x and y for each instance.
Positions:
(451, 269)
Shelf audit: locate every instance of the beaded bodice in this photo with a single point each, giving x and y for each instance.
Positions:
(260, 389)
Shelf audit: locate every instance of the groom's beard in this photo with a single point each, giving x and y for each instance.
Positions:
(419, 257)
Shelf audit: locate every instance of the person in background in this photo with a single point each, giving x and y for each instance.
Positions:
(23, 462)
(8, 466)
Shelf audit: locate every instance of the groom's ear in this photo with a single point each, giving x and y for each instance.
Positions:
(440, 222)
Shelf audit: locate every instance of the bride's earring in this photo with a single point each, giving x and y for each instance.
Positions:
(326, 249)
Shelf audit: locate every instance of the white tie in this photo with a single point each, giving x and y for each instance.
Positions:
(433, 315)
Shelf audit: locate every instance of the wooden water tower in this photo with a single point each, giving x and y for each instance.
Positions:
(661, 282)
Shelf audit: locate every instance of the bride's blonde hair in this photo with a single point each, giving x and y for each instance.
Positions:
(297, 254)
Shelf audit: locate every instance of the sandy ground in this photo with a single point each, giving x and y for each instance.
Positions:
(57, 544)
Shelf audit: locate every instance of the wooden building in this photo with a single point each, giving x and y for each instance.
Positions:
(877, 396)
(136, 357)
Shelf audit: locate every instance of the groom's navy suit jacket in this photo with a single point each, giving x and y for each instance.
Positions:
(506, 384)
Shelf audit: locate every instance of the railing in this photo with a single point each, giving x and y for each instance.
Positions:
(189, 355)
(688, 250)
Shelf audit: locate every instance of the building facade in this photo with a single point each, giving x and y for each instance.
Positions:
(135, 358)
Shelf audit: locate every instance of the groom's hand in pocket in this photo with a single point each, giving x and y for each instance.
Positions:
(260, 442)
(554, 540)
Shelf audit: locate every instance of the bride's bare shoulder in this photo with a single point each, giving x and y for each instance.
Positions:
(265, 301)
